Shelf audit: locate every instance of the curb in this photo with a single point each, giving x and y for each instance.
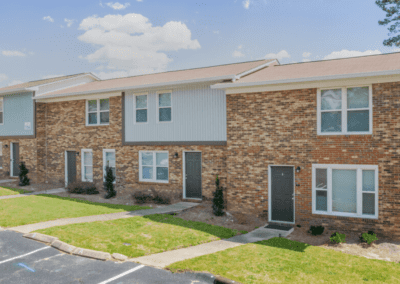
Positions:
(92, 254)
(63, 246)
(41, 238)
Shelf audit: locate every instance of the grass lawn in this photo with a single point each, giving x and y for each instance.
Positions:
(12, 191)
(40, 208)
(279, 260)
(147, 235)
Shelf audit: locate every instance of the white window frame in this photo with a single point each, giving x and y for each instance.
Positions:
(134, 108)
(2, 109)
(359, 169)
(105, 163)
(1, 155)
(98, 111)
(83, 164)
(344, 111)
(158, 106)
(154, 167)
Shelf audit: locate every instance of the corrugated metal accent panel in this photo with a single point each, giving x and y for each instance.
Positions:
(198, 114)
(18, 109)
(64, 84)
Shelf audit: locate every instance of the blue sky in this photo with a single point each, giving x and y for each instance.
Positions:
(40, 39)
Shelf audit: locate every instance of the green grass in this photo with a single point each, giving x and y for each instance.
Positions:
(39, 208)
(147, 235)
(279, 260)
(12, 191)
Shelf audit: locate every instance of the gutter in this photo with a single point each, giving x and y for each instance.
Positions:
(13, 91)
(122, 89)
(306, 79)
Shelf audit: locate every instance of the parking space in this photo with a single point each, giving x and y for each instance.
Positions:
(26, 261)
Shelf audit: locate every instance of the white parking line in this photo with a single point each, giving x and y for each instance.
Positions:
(123, 274)
(10, 259)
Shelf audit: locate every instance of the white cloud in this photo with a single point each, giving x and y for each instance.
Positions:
(131, 45)
(15, 82)
(51, 76)
(280, 55)
(216, 32)
(48, 18)
(139, 0)
(306, 54)
(69, 22)
(237, 52)
(117, 5)
(246, 4)
(13, 53)
(3, 77)
(350, 53)
(306, 60)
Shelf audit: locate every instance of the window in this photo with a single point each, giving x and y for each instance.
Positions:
(1, 155)
(98, 112)
(109, 159)
(1, 111)
(87, 165)
(345, 111)
(153, 166)
(345, 190)
(141, 108)
(164, 107)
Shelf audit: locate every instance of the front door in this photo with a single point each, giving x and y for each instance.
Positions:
(193, 175)
(14, 171)
(282, 194)
(71, 167)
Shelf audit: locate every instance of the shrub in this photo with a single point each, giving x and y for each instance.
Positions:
(142, 197)
(338, 238)
(161, 199)
(316, 230)
(368, 238)
(23, 178)
(109, 183)
(218, 200)
(243, 232)
(79, 187)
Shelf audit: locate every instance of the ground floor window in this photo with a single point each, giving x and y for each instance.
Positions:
(87, 165)
(345, 190)
(153, 166)
(109, 160)
(1, 155)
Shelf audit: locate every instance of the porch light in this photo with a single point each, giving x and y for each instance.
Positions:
(176, 155)
(298, 169)
(77, 153)
(6, 146)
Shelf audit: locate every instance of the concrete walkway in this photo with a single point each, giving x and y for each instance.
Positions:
(162, 260)
(104, 217)
(7, 180)
(50, 191)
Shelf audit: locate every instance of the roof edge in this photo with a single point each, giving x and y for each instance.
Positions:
(255, 69)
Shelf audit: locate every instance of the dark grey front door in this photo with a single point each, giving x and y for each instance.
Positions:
(193, 174)
(15, 159)
(71, 166)
(282, 189)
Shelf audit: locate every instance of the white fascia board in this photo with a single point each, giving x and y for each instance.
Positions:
(15, 91)
(94, 76)
(305, 79)
(237, 77)
(36, 88)
(123, 89)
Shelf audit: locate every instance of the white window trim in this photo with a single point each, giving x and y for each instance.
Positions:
(158, 107)
(359, 169)
(2, 111)
(154, 167)
(134, 108)
(1, 155)
(98, 111)
(83, 164)
(344, 111)
(104, 163)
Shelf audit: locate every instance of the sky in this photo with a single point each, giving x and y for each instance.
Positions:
(43, 39)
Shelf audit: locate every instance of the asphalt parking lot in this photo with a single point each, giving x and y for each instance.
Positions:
(27, 261)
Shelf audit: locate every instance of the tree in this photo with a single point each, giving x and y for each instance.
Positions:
(109, 183)
(23, 178)
(218, 200)
(392, 9)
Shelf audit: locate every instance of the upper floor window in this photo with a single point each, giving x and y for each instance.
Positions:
(164, 107)
(345, 111)
(98, 112)
(141, 108)
(1, 111)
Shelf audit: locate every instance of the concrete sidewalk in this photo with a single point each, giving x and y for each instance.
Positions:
(104, 217)
(50, 191)
(162, 260)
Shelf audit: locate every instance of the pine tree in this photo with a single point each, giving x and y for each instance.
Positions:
(23, 178)
(108, 184)
(392, 9)
(218, 200)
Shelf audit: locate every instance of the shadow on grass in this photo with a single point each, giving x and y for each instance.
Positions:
(108, 205)
(283, 243)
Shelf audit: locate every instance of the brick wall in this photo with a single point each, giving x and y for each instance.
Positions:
(280, 128)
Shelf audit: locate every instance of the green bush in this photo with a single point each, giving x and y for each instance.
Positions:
(316, 230)
(243, 232)
(79, 187)
(368, 238)
(109, 183)
(23, 175)
(338, 238)
(218, 200)
(161, 199)
(142, 197)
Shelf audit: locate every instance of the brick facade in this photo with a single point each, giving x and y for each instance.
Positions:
(280, 128)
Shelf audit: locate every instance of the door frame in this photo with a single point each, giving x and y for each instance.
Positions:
(270, 199)
(184, 172)
(66, 167)
(12, 158)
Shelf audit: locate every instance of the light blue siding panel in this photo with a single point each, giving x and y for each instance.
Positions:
(198, 114)
(18, 109)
